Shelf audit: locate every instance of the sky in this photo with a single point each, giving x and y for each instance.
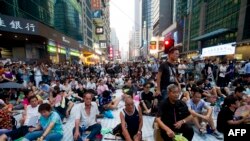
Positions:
(121, 18)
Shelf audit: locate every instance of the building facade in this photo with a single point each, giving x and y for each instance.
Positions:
(210, 24)
(114, 41)
(47, 29)
(101, 28)
(146, 26)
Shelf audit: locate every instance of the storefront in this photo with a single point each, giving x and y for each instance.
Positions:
(224, 51)
(242, 50)
(22, 39)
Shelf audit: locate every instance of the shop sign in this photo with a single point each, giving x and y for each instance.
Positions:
(224, 49)
(51, 49)
(12, 24)
(73, 53)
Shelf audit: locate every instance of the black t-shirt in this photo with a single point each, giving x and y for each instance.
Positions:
(168, 74)
(147, 97)
(224, 115)
(171, 113)
(207, 86)
(80, 92)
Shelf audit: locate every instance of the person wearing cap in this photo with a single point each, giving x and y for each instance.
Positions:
(167, 72)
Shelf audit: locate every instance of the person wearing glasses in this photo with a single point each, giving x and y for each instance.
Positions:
(173, 116)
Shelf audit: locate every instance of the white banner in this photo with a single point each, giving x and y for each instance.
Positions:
(218, 50)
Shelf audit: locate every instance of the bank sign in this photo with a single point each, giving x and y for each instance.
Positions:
(13, 24)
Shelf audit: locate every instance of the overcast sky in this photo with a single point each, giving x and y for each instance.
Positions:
(121, 18)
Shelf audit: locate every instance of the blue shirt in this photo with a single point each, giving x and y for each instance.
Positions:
(53, 117)
(45, 88)
(197, 107)
(247, 68)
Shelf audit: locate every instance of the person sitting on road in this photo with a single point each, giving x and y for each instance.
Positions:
(49, 127)
(61, 104)
(131, 121)
(85, 119)
(196, 105)
(101, 87)
(226, 119)
(106, 102)
(28, 120)
(147, 100)
(173, 116)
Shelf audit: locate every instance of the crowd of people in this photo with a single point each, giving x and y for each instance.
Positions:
(179, 94)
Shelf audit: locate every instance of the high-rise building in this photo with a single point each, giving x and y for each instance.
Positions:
(101, 28)
(163, 16)
(114, 41)
(41, 29)
(213, 26)
(146, 25)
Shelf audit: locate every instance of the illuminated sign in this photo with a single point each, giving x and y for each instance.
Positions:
(218, 50)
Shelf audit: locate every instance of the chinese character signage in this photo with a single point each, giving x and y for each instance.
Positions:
(13, 24)
(95, 4)
(224, 49)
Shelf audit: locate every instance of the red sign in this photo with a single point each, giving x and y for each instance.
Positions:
(95, 4)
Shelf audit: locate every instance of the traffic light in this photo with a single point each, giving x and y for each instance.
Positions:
(168, 43)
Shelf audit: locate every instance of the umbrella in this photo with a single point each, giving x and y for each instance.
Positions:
(11, 85)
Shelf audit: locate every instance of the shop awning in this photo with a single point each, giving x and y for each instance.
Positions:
(212, 34)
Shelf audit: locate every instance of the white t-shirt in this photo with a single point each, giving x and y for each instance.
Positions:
(181, 68)
(32, 116)
(87, 120)
(91, 86)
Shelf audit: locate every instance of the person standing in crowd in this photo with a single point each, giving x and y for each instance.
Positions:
(131, 121)
(173, 116)
(222, 74)
(182, 68)
(49, 127)
(208, 70)
(30, 115)
(167, 72)
(155, 67)
(85, 119)
(247, 67)
(38, 75)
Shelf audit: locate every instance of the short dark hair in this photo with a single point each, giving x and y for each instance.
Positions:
(200, 82)
(147, 83)
(44, 107)
(172, 49)
(229, 101)
(239, 89)
(32, 97)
